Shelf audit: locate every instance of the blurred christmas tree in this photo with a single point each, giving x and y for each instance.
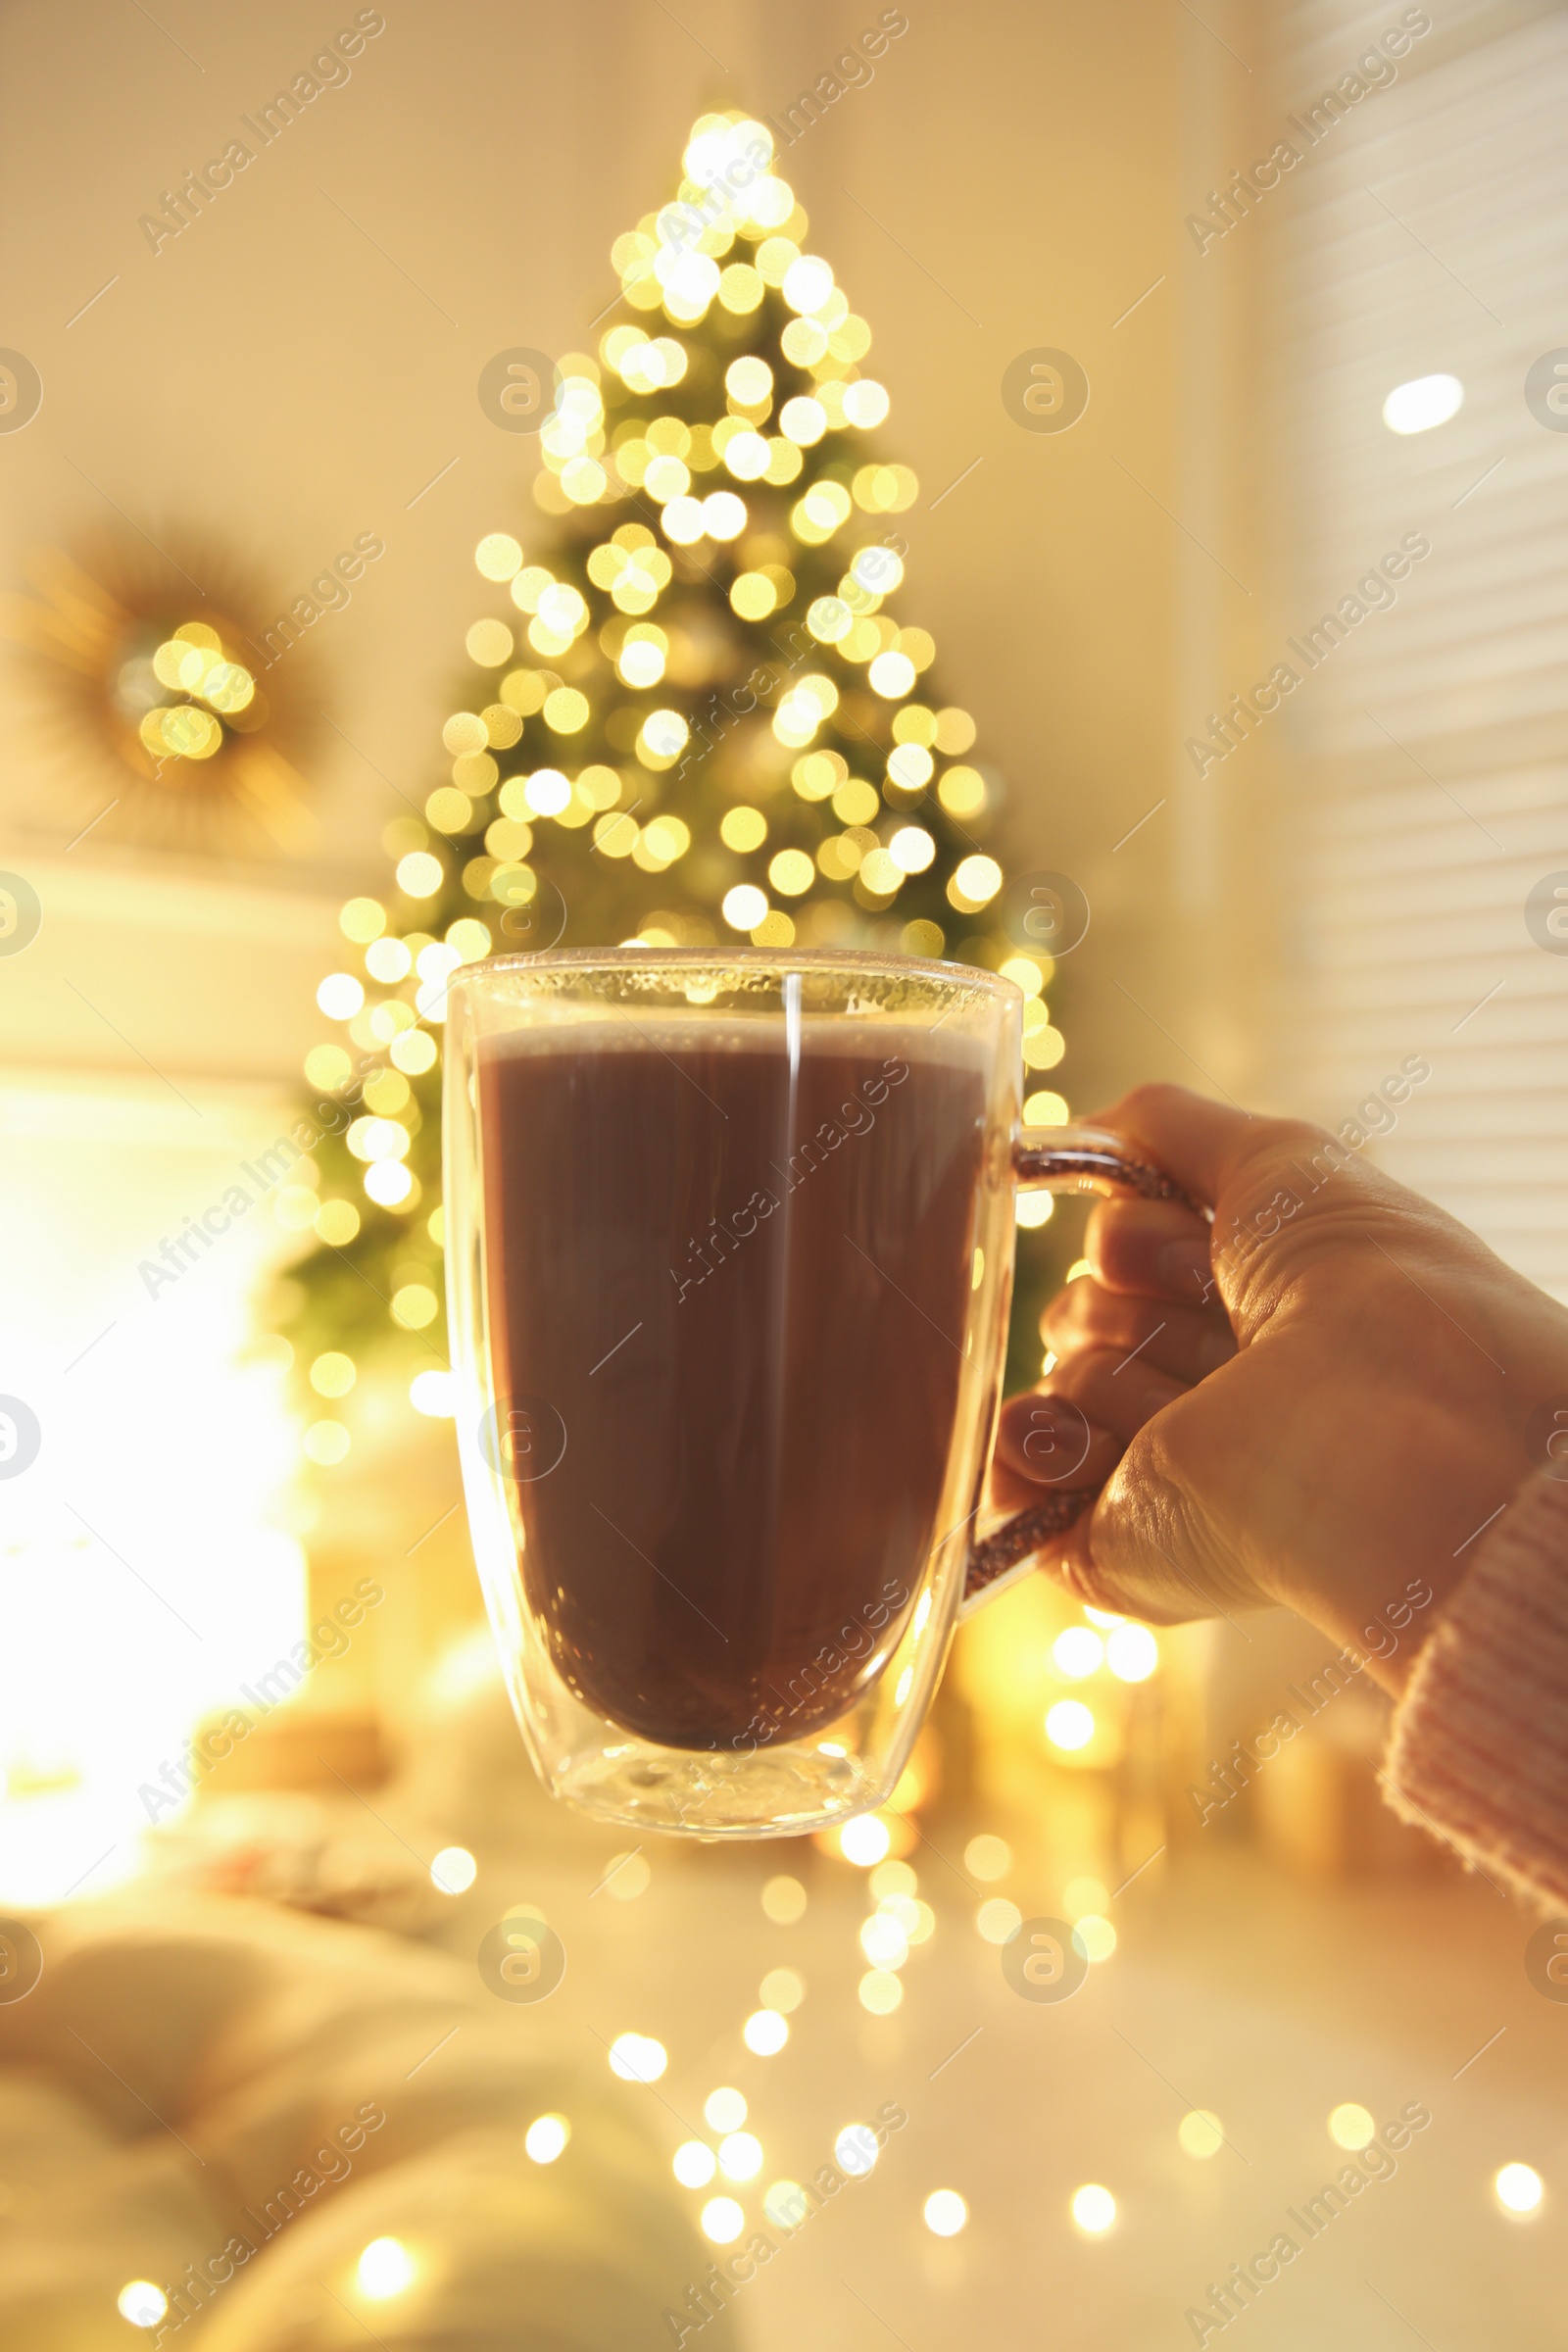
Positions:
(690, 720)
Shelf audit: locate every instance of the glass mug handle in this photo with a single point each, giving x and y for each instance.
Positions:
(1060, 1159)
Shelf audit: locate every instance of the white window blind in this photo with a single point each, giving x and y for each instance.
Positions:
(1426, 755)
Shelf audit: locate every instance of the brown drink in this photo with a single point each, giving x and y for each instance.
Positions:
(727, 1290)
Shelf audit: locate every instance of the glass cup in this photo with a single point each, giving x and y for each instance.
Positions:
(729, 1245)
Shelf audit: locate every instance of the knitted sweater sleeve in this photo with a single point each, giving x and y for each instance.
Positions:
(1479, 1750)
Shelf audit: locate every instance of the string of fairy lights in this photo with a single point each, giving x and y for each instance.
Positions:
(692, 721)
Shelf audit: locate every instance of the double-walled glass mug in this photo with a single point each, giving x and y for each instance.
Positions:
(729, 1240)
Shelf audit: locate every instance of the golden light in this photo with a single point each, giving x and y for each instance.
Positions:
(469, 939)
(414, 1305)
(464, 731)
(388, 1184)
(744, 906)
(891, 676)
(377, 1139)
(783, 1989)
(546, 792)
(803, 421)
(1083, 1894)
(748, 381)
(336, 1223)
(765, 2033)
(808, 284)
(880, 1991)
(453, 1870)
(340, 996)
(1132, 1653)
(974, 884)
(740, 2156)
(694, 2164)
(385, 2268)
(325, 1443)
(626, 1877)
(434, 1394)
(865, 1840)
(792, 874)
(724, 516)
(489, 644)
(855, 2151)
(1046, 1109)
(641, 662)
(1200, 2133)
(1351, 2125)
(725, 2109)
(786, 2204)
(865, 404)
(1069, 1724)
(682, 521)
(637, 2058)
(420, 875)
(784, 1900)
(883, 1940)
(1096, 1934)
(722, 2221)
(855, 802)
(945, 2213)
(498, 555)
(744, 829)
(546, 2137)
(1077, 1651)
(912, 849)
(665, 733)
(362, 919)
(1093, 2209)
(388, 960)
(328, 1066)
(962, 792)
(333, 1374)
(996, 1919)
(1426, 400)
(986, 1858)
(1519, 2188)
(1024, 973)
(141, 2303)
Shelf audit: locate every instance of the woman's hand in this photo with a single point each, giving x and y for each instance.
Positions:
(1321, 1400)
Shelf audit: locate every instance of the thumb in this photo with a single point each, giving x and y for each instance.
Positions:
(1203, 1145)
(1147, 1548)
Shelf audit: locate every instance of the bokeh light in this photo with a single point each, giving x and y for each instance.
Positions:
(722, 2221)
(1200, 2133)
(1519, 2188)
(385, 2268)
(945, 2213)
(638, 2058)
(453, 1870)
(141, 2303)
(865, 1840)
(783, 1899)
(1093, 2208)
(546, 2137)
(1069, 1724)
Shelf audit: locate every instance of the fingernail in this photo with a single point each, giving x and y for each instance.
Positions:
(1183, 1270)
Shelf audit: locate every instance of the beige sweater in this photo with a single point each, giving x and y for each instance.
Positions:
(1479, 1750)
